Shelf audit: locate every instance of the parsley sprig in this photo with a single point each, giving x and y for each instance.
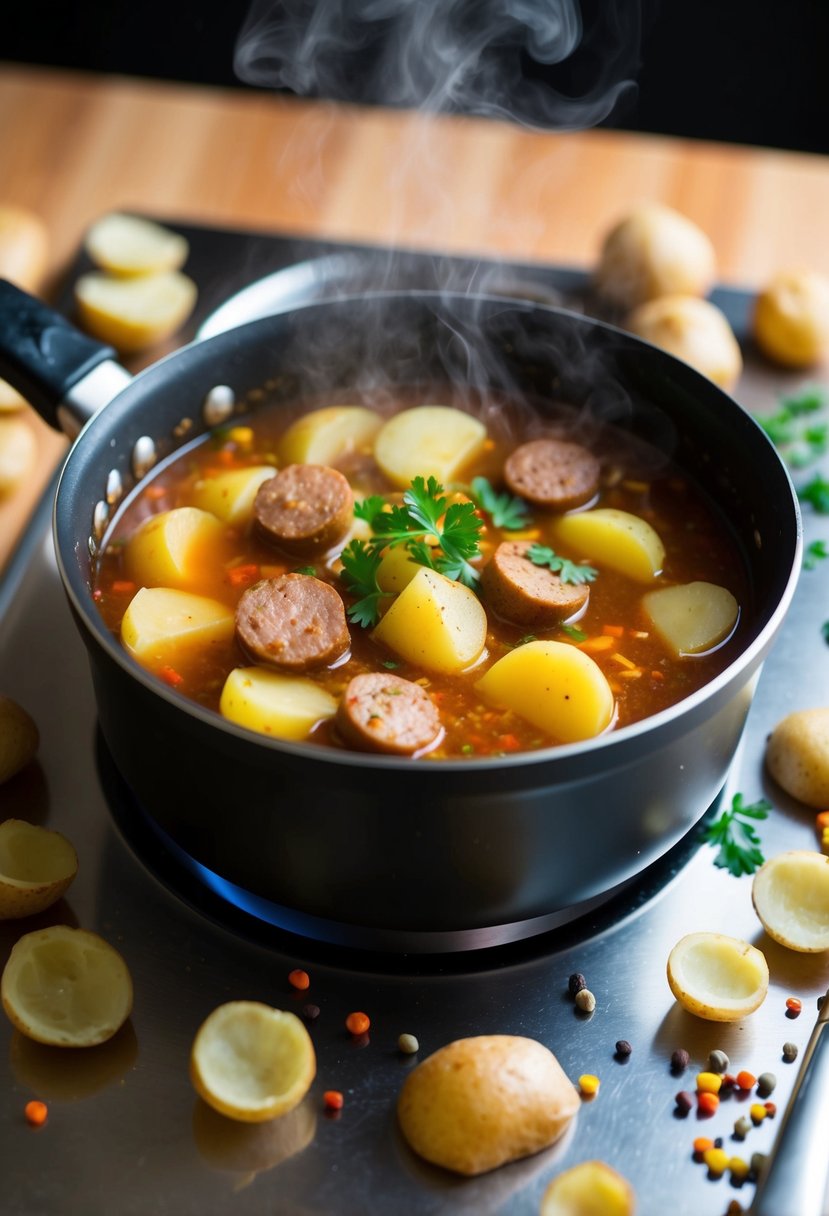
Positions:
(739, 843)
(791, 429)
(816, 493)
(816, 552)
(360, 566)
(567, 571)
(505, 510)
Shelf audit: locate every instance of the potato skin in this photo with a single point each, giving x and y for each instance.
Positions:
(797, 756)
(479, 1102)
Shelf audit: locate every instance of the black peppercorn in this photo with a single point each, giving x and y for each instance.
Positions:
(576, 982)
(680, 1059)
(623, 1048)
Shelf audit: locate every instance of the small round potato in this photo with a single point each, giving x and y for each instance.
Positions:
(654, 251)
(19, 738)
(694, 330)
(790, 893)
(791, 318)
(719, 978)
(37, 867)
(588, 1189)
(797, 756)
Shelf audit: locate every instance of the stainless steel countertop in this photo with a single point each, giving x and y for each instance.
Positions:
(126, 1132)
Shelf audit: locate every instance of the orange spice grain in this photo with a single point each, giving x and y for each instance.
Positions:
(36, 1113)
(333, 1099)
(707, 1103)
(170, 676)
(702, 1144)
(299, 979)
(793, 1006)
(357, 1023)
(240, 576)
(746, 1080)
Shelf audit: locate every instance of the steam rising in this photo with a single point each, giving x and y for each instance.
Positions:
(469, 56)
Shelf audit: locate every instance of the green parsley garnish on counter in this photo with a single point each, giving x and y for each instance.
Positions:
(738, 840)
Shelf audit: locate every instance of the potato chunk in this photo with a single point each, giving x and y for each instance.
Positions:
(617, 539)
(323, 436)
(558, 688)
(397, 569)
(435, 622)
(169, 549)
(791, 318)
(287, 707)
(790, 893)
(797, 755)
(134, 313)
(130, 245)
(692, 618)
(588, 1189)
(229, 496)
(427, 441)
(161, 622)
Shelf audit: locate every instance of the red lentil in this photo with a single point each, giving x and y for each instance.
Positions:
(707, 1103)
(36, 1113)
(299, 979)
(793, 1007)
(771, 1109)
(333, 1099)
(702, 1145)
(357, 1023)
(746, 1080)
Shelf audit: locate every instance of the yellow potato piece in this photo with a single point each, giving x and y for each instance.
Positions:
(36, 868)
(558, 688)
(251, 1062)
(10, 399)
(19, 738)
(287, 707)
(324, 436)
(134, 313)
(613, 538)
(18, 450)
(719, 978)
(692, 618)
(427, 441)
(435, 622)
(24, 247)
(171, 548)
(797, 755)
(588, 1189)
(229, 496)
(790, 894)
(161, 622)
(129, 245)
(397, 569)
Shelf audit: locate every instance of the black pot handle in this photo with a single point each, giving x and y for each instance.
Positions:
(41, 354)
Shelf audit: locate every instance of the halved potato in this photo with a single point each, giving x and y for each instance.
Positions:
(130, 245)
(692, 618)
(37, 867)
(719, 978)
(19, 738)
(325, 435)
(427, 441)
(790, 894)
(287, 707)
(613, 538)
(229, 496)
(134, 313)
(555, 686)
(161, 622)
(18, 449)
(435, 622)
(588, 1189)
(170, 549)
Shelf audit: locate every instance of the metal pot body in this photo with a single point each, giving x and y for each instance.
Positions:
(399, 852)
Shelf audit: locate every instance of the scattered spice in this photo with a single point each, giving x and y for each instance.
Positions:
(576, 982)
(746, 1080)
(735, 1208)
(701, 1145)
(738, 1169)
(684, 1102)
(793, 1007)
(757, 1112)
(758, 1163)
(623, 1049)
(708, 1082)
(728, 1081)
(789, 1052)
(357, 1023)
(585, 1000)
(311, 1012)
(742, 1127)
(707, 1103)
(771, 1109)
(717, 1161)
(718, 1062)
(299, 979)
(589, 1085)
(766, 1083)
(333, 1099)
(170, 676)
(408, 1044)
(36, 1113)
(680, 1060)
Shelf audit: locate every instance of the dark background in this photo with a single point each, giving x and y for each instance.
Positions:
(744, 71)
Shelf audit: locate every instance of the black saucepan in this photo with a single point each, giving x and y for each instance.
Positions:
(391, 852)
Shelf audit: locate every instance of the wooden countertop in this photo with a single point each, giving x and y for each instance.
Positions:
(76, 146)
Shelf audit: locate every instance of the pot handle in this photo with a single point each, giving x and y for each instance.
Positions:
(44, 357)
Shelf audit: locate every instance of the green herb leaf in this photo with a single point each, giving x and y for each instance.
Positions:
(799, 443)
(808, 401)
(578, 635)
(360, 566)
(369, 508)
(567, 571)
(505, 510)
(824, 629)
(390, 664)
(305, 570)
(816, 493)
(815, 552)
(528, 637)
(738, 842)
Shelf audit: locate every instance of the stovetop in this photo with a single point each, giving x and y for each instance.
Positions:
(126, 1132)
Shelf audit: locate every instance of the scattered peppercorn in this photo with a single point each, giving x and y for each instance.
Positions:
(299, 979)
(589, 1084)
(766, 1083)
(357, 1023)
(585, 1000)
(707, 1103)
(746, 1080)
(789, 1052)
(311, 1012)
(36, 1113)
(408, 1044)
(333, 1099)
(680, 1060)
(684, 1101)
(576, 982)
(793, 1007)
(623, 1048)
(718, 1143)
(708, 1082)
(742, 1127)
(718, 1061)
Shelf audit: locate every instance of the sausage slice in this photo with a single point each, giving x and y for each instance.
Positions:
(553, 473)
(382, 713)
(295, 622)
(305, 509)
(526, 594)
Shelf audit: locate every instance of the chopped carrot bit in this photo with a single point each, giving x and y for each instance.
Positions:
(238, 576)
(226, 457)
(596, 644)
(154, 492)
(613, 631)
(509, 743)
(622, 661)
(357, 1023)
(170, 676)
(333, 1099)
(123, 586)
(36, 1113)
(299, 979)
(822, 820)
(657, 675)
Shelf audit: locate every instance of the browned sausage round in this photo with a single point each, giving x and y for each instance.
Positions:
(526, 594)
(552, 473)
(295, 622)
(383, 713)
(305, 508)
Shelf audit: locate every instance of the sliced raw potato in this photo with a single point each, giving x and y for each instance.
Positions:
(129, 245)
(19, 738)
(436, 623)
(555, 686)
(427, 441)
(251, 1062)
(172, 548)
(24, 247)
(66, 987)
(588, 1189)
(397, 569)
(162, 622)
(18, 450)
(10, 399)
(36, 868)
(719, 978)
(287, 707)
(229, 496)
(797, 755)
(323, 436)
(692, 618)
(134, 313)
(790, 894)
(613, 538)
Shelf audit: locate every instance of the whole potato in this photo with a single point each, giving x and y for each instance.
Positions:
(797, 756)
(18, 738)
(654, 251)
(18, 451)
(791, 318)
(695, 331)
